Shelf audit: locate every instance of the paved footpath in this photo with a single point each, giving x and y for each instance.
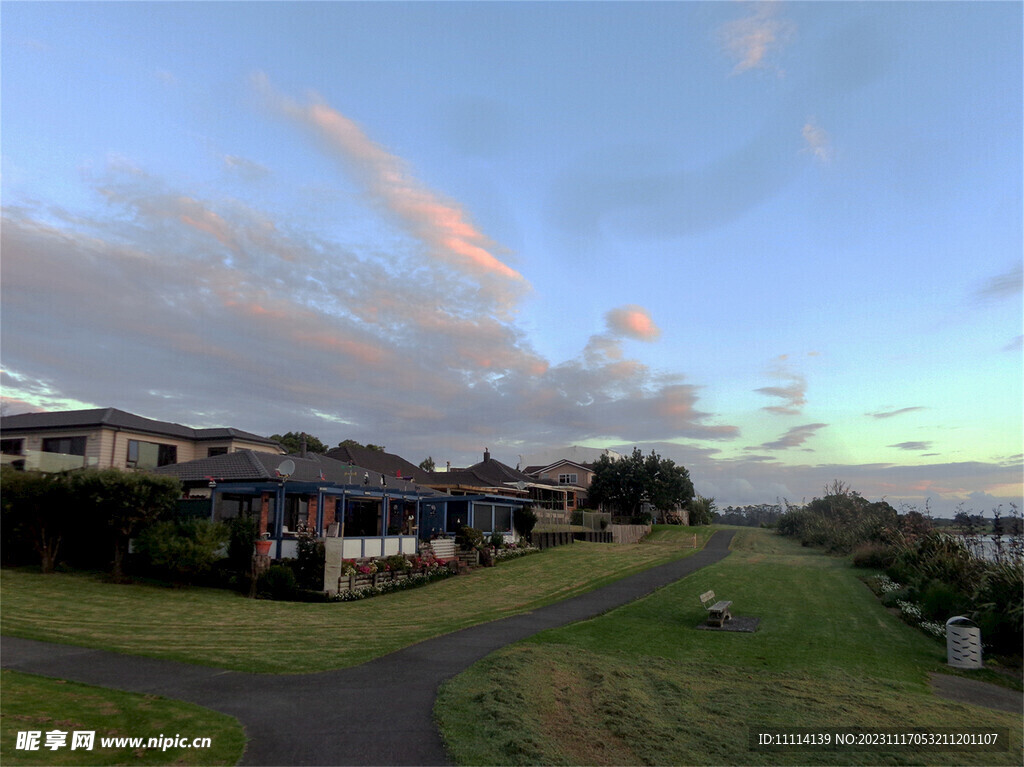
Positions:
(379, 713)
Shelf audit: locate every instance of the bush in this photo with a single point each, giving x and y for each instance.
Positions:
(469, 538)
(526, 520)
(999, 607)
(277, 582)
(182, 550)
(242, 532)
(309, 565)
(497, 541)
(877, 556)
(940, 601)
(397, 563)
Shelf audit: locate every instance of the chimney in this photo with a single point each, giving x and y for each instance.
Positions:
(448, 465)
(303, 449)
(487, 455)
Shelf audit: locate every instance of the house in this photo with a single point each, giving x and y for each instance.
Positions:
(379, 461)
(112, 438)
(490, 476)
(376, 514)
(574, 477)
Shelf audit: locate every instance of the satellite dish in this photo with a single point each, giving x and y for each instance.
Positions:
(286, 468)
(520, 485)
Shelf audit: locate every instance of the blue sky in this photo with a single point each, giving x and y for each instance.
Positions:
(777, 242)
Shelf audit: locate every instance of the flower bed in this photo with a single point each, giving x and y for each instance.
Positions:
(362, 578)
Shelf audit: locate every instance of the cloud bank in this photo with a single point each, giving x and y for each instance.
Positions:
(174, 305)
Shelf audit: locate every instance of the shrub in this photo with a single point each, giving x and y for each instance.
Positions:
(309, 565)
(277, 582)
(497, 541)
(242, 532)
(469, 538)
(182, 550)
(398, 563)
(940, 601)
(877, 556)
(526, 520)
(999, 603)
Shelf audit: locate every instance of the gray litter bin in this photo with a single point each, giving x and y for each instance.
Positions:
(963, 643)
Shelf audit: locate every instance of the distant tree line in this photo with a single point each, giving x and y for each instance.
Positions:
(757, 515)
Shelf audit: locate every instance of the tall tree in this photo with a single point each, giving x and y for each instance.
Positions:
(626, 484)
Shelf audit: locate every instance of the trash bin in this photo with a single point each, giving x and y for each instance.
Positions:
(963, 643)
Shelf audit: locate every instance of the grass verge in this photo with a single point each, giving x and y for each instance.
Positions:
(219, 628)
(642, 685)
(33, 703)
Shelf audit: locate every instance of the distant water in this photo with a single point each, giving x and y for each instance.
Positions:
(985, 547)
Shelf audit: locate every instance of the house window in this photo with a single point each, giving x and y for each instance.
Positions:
(212, 451)
(10, 446)
(296, 513)
(362, 518)
(567, 479)
(483, 517)
(503, 519)
(229, 506)
(65, 445)
(149, 455)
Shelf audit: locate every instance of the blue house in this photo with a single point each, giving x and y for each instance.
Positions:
(375, 513)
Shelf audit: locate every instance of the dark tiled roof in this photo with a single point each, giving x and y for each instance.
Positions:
(249, 465)
(379, 461)
(114, 418)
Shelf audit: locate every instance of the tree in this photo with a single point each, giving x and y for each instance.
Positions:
(427, 464)
(36, 509)
(292, 442)
(126, 503)
(702, 510)
(368, 445)
(626, 484)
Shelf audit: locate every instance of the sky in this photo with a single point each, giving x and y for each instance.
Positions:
(779, 243)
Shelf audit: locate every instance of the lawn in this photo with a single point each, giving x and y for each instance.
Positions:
(32, 703)
(642, 685)
(220, 628)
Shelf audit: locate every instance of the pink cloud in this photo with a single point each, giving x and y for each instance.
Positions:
(440, 224)
(633, 322)
(752, 39)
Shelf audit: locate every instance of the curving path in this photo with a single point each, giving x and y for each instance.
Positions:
(379, 713)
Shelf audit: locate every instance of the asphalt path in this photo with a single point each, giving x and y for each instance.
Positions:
(379, 713)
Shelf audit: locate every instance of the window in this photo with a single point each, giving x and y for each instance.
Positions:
(503, 519)
(362, 517)
(401, 517)
(567, 479)
(212, 451)
(482, 517)
(296, 512)
(10, 446)
(229, 506)
(149, 455)
(65, 445)
(458, 515)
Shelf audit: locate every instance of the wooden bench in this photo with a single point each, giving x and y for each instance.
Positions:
(718, 612)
